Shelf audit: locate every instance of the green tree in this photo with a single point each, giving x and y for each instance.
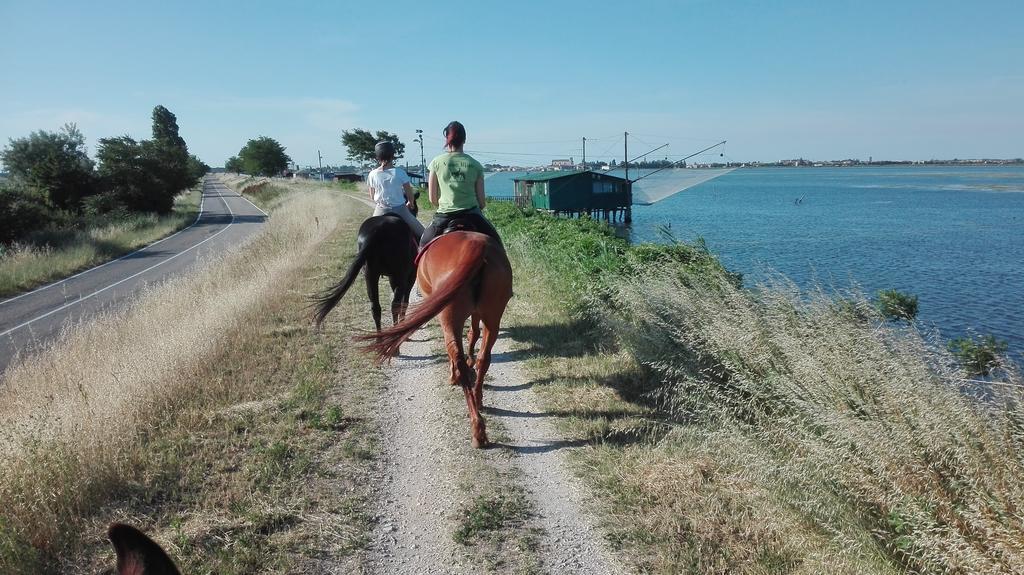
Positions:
(263, 156)
(196, 167)
(167, 156)
(146, 175)
(54, 162)
(360, 144)
(234, 164)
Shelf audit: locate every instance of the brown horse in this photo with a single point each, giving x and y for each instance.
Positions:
(462, 275)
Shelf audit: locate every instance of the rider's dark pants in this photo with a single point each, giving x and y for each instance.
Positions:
(472, 217)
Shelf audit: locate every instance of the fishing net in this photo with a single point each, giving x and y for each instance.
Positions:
(661, 185)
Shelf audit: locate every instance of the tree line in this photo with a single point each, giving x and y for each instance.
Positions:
(53, 183)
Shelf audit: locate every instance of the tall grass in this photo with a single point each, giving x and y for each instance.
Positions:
(53, 254)
(763, 430)
(861, 429)
(72, 419)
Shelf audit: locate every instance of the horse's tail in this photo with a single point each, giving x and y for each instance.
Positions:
(326, 300)
(385, 343)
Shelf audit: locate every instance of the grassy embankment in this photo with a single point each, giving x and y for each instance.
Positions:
(50, 255)
(207, 414)
(767, 431)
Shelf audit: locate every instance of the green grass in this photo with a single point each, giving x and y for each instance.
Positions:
(488, 515)
(735, 431)
(50, 255)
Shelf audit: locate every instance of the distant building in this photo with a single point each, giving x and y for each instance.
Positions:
(563, 164)
(600, 195)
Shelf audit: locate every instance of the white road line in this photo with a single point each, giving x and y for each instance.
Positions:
(202, 202)
(253, 205)
(97, 292)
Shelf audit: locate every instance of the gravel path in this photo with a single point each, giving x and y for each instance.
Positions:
(421, 452)
(424, 446)
(570, 542)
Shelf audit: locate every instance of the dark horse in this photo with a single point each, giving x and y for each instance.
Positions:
(462, 275)
(138, 554)
(386, 247)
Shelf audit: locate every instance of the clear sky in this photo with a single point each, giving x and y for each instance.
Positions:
(814, 79)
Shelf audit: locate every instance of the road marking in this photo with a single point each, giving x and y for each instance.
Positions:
(97, 292)
(202, 202)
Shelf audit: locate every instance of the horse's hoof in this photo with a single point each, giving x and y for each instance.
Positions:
(480, 443)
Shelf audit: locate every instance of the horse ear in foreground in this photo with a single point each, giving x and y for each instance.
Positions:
(138, 554)
(386, 247)
(462, 275)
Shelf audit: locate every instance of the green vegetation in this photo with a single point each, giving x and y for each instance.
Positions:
(758, 431)
(978, 355)
(51, 253)
(490, 514)
(260, 156)
(896, 305)
(360, 144)
(55, 191)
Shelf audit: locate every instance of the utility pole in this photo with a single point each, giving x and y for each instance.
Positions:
(625, 152)
(584, 152)
(629, 185)
(320, 162)
(423, 161)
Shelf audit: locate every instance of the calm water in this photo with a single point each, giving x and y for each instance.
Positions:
(954, 236)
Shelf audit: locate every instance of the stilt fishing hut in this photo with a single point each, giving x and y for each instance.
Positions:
(601, 196)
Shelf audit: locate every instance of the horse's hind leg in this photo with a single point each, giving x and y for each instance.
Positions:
(483, 362)
(373, 293)
(451, 324)
(398, 294)
(474, 336)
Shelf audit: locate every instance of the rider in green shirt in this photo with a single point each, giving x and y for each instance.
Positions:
(457, 187)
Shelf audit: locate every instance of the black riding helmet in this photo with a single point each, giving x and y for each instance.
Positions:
(384, 151)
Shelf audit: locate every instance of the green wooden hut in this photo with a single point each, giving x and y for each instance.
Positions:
(573, 193)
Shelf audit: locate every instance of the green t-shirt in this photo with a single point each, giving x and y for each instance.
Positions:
(456, 177)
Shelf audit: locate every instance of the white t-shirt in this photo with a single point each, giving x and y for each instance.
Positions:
(388, 186)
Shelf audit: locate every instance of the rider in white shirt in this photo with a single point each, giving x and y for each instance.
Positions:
(390, 188)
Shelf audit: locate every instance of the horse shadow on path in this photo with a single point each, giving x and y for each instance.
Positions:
(637, 421)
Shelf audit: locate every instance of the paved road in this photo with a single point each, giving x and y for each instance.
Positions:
(33, 318)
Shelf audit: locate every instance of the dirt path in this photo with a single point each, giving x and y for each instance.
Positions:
(419, 468)
(427, 441)
(570, 542)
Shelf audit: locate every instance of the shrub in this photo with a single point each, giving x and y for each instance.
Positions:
(896, 305)
(978, 355)
(23, 209)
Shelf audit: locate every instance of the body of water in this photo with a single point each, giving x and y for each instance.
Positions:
(953, 236)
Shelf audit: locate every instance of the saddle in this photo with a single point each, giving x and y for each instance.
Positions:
(455, 224)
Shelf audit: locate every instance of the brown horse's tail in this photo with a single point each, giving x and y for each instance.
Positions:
(385, 343)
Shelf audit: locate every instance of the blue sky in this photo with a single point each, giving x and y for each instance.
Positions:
(819, 80)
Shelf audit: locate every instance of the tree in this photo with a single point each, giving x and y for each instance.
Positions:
(165, 127)
(263, 156)
(360, 144)
(146, 175)
(234, 164)
(196, 167)
(54, 162)
(167, 156)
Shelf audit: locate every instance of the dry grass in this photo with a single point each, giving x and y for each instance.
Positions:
(773, 432)
(55, 255)
(206, 410)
